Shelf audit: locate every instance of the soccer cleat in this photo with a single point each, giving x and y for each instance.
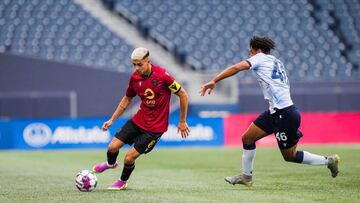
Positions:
(99, 168)
(243, 180)
(118, 185)
(332, 165)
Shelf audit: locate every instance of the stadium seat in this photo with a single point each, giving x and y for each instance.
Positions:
(213, 34)
(60, 30)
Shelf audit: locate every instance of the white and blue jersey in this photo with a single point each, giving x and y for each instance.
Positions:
(270, 73)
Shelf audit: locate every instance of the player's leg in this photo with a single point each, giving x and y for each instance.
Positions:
(261, 127)
(112, 153)
(113, 150)
(129, 163)
(125, 135)
(129, 166)
(304, 157)
(143, 143)
(288, 136)
(252, 134)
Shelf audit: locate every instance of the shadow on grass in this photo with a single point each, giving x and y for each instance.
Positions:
(113, 191)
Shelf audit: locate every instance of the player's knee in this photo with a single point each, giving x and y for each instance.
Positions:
(129, 159)
(247, 140)
(113, 148)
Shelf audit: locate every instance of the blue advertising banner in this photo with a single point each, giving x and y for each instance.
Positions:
(87, 133)
(203, 132)
(59, 134)
(6, 135)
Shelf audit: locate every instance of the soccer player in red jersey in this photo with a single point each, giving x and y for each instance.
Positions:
(154, 86)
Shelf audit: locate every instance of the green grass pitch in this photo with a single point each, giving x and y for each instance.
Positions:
(179, 175)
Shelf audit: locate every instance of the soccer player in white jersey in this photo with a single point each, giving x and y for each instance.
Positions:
(282, 118)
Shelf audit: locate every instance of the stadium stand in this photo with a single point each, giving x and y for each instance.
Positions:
(317, 39)
(208, 35)
(60, 30)
(344, 19)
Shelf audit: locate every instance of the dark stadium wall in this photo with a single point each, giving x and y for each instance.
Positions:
(34, 88)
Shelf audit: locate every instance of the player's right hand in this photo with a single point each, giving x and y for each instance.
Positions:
(106, 125)
(183, 128)
(208, 86)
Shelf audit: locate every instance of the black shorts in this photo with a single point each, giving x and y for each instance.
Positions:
(284, 123)
(143, 141)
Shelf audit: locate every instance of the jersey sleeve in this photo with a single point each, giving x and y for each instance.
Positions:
(170, 82)
(254, 61)
(130, 92)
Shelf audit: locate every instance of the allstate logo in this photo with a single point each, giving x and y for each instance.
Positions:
(37, 134)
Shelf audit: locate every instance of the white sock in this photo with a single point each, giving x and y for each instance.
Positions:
(111, 165)
(314, 159)
(248, 161)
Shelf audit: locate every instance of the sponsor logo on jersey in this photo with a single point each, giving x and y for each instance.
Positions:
(149, 94)
(154, 82)
(150, 102)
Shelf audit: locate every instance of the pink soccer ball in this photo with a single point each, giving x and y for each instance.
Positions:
(86, 181)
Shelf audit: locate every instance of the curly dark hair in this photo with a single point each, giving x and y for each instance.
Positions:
(264, 43)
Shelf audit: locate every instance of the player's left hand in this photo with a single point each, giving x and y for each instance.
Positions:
(208, 86)
(183, 129)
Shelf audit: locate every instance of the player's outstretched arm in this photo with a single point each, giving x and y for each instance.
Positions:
(182, 126)
(123, 104)
(229, 71)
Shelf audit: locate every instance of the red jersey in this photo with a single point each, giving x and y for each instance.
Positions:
(155, 92)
